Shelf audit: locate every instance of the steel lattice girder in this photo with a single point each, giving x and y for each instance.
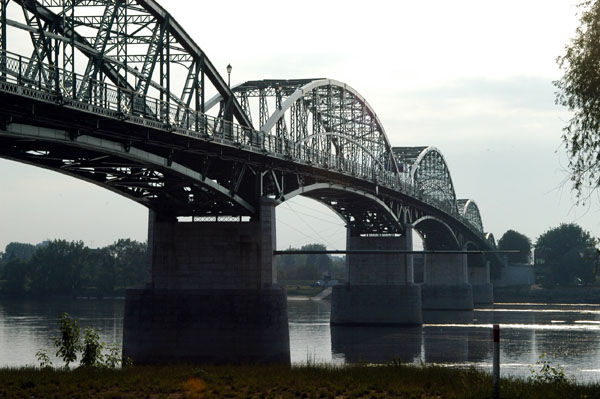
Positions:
(429, 173)
(469, 209)
(321, 121)
(135, 44)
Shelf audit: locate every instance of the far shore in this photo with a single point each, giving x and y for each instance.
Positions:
(516, 294)
(552, 295)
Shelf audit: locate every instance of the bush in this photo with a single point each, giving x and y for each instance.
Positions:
(68, 342)
(68, 345)
(92, 349)
(547, 372)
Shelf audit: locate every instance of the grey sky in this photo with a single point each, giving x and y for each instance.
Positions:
(472, 78)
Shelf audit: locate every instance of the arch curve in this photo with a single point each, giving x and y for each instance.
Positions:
(433, 237)
(322, 121)
(362, 212)
(470, 211)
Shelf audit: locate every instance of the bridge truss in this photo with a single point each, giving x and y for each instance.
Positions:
(115, 92)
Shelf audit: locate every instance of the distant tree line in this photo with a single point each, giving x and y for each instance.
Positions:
(66, 268)
(309, 267)
(564, 255)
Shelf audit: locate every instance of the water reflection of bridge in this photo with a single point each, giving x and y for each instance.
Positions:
(116, 93)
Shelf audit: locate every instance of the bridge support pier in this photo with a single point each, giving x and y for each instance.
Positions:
(483, 290)
(446, 284)
(212, 298)
(380, 288)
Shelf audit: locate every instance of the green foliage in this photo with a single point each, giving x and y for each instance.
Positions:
(309, 267)
(565, 254)
(91, 355)
(130, 259)
(17, 276)
(547, 373)
(513, 240)
(68, 341)
(113, 358)
(43, 358)
(58, 268)
(68, 345)
(67, 268)
(579, 91)
(18, 250)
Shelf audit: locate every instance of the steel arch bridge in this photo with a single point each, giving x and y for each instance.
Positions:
(116, 93)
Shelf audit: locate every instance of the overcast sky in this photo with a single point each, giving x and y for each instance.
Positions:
(472, 78)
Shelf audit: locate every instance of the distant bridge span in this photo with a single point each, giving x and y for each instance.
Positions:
(116, 93)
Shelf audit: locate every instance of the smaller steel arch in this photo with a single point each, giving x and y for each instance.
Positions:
(469, 210)
(434, 180)
(491, 239)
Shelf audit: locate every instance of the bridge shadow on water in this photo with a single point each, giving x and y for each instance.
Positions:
(376, 344)
(447, 337)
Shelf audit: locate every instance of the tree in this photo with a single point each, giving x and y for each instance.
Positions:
(513, 240)
(131, 262)
(579, 91)
(100, 271)
(68, 341)
(568, 253)
(59, 267)
(18, 250)
(304, 267)
(16, 273)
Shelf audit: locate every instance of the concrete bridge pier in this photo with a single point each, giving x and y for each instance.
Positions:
(446, 284)
(212, 296)
(479, 277)
(380, 288)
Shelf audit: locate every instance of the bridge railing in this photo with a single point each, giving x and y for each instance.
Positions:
(50, 83)
(75, 89)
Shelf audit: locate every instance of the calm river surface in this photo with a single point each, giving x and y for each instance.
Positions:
(569, 335)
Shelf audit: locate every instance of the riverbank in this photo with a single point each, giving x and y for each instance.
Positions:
(537, 294)
(320, 381)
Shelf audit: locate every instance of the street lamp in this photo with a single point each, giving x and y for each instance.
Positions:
(229, 68)
(135, 75)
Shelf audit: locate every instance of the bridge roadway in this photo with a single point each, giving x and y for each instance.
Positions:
(116, 93)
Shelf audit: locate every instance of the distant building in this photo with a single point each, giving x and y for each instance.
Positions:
(515, 274)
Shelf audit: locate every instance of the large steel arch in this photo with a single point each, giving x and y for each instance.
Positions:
(134, 44)
(321, 121)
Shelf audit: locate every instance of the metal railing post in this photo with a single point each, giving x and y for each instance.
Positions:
(20, 78)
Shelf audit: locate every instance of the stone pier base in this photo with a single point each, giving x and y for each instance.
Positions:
(376, 305)
(206, 326)
(483, 293)
(447, 297)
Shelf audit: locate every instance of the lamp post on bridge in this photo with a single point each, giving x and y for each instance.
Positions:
(229, 68)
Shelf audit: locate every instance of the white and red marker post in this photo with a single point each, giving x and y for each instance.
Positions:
(496, 361)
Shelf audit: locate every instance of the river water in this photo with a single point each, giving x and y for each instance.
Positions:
(568, 335)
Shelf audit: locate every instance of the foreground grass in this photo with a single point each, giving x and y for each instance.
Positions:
(360, 381)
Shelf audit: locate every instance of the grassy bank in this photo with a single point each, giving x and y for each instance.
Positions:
(537, 294)
(393, 381)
